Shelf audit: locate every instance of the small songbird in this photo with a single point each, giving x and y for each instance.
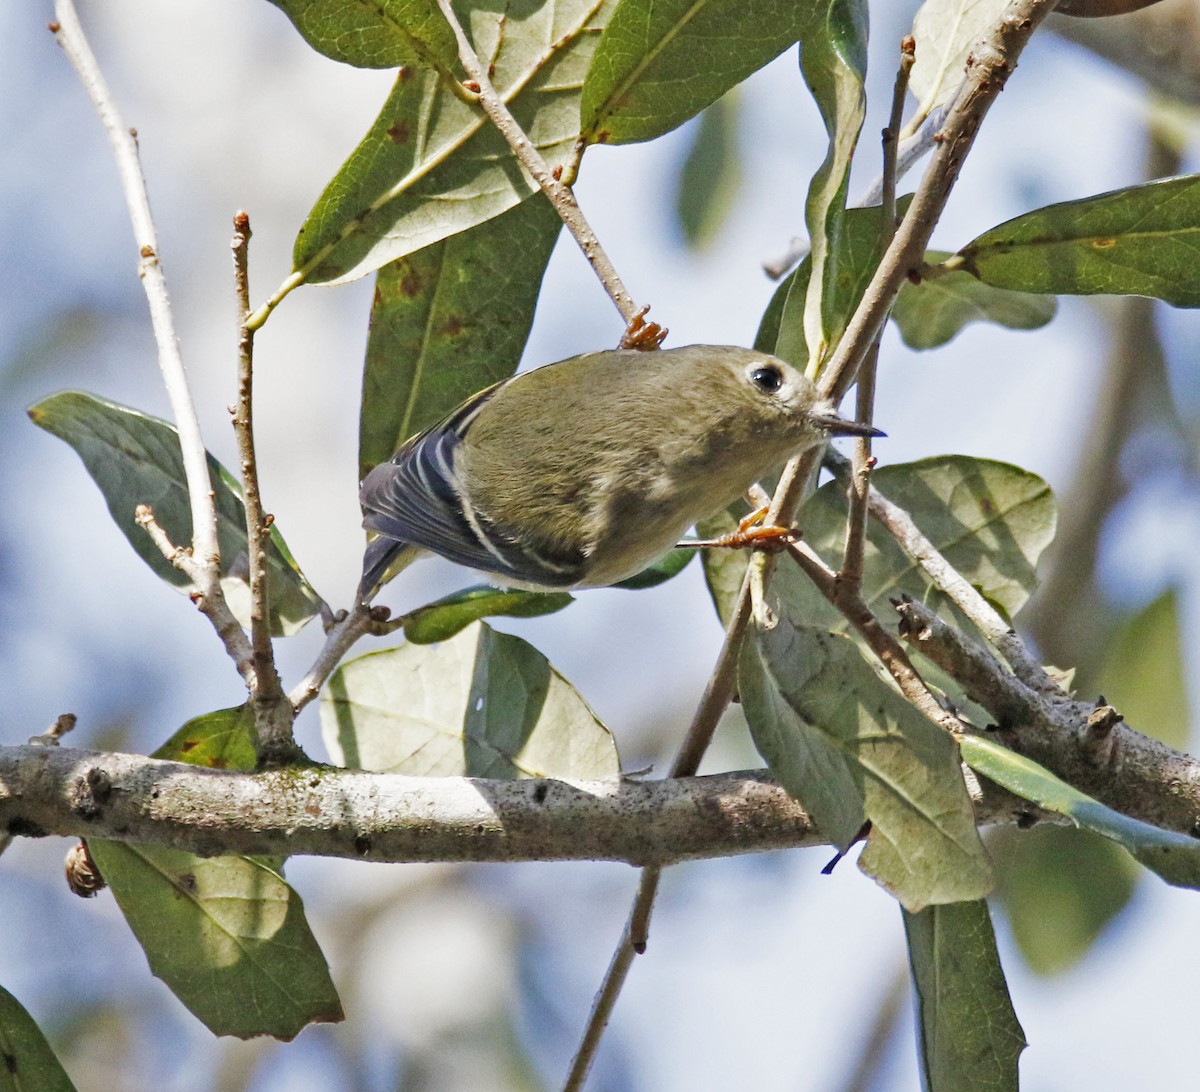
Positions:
(580, 474)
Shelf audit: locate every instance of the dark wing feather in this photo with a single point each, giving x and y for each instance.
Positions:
(412, 499)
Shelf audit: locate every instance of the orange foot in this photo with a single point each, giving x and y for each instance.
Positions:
(643, 335)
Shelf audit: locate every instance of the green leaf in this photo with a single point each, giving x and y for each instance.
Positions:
(375, 34)
(448, 321)
(433, 165)
(851, 749)
(1175, 857)
(482, 704)
(660, 62)
(946, 32)
(968, 1036)
(222, 740)
(226, 934)
(441, 620)
(1059, 887)
(709, 174)
(833, 59)
(991, 521)
(934, 311)
(1144, 675)
(858, 248)
(135, 459)
(29, 1063)
(222, 931)
(1138, 241)
(665, 568)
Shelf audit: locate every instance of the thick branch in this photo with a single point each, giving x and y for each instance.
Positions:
(1097, 754)
(387, 817)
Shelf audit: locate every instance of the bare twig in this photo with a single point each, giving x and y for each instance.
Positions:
(357, 622)
(215, 608)
(273, 715)
(880, 640)
(913, 542)
(63, 723)
(856, 509)
(559, 194)
(717, 695)
(70, 36)
(257, 525)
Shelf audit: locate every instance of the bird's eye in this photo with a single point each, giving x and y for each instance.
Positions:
(766, 377)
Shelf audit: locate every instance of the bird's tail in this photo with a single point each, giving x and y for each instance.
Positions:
(384, 558)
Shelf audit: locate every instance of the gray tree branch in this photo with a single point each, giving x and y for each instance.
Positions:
(331, 812)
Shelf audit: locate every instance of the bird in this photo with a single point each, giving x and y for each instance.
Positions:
(579, 474)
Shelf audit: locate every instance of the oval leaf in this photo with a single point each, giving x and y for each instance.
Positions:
(851, 749)
(433, 165)
(934, 311)
(1173, 856)
(381, 34)
(441, 620)
(221, 740)
(448, 321)
(709, 174)
(659, 63)
(991, 521)
(833, 59)
(135, 459)
(1059, 887)
(946, 31)
(221, 932)
(29, 1063)
(968, 1036)
(483, 704)
(1138, 241)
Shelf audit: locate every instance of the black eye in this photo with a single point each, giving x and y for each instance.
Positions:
(766, 377)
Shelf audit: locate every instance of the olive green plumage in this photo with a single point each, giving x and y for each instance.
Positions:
(581, 473)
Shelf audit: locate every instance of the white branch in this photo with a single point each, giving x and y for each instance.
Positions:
(70, 36)
(388, 817)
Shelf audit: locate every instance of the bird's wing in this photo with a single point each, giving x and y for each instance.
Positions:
(412, 499)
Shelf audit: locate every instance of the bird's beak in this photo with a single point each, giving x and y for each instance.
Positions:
(839, 426)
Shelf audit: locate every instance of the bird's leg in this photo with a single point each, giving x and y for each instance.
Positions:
(642, 335)
(751, 534)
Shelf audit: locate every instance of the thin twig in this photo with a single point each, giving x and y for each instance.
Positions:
(717, 695)
(879, 639)
(360, 620)
(559, 194)
(856, 508)
(70, 36)
(215, 608)
(913, 542)
(63, 723)
(994, 61)
(274, 715)
(266, 678)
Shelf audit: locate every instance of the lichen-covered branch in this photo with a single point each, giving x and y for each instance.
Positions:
(387, 817)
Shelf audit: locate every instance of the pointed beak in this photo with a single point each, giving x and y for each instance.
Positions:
(839, 426)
